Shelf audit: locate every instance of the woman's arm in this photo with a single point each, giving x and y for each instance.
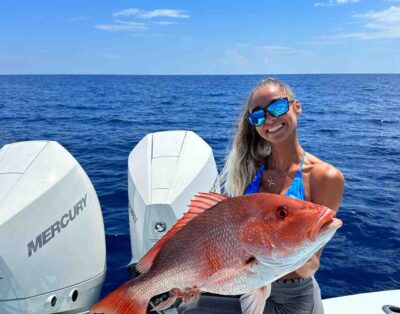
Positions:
(326, 186)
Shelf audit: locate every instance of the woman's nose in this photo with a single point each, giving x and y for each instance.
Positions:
(270, 120)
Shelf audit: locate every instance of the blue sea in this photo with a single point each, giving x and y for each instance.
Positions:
(350, 121)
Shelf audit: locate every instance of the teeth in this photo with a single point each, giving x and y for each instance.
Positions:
(275, 128)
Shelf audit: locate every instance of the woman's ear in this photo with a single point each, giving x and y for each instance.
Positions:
(297, 107)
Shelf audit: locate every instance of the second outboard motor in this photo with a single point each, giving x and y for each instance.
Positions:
(166, 169)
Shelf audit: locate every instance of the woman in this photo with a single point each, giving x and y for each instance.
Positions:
(267, 157)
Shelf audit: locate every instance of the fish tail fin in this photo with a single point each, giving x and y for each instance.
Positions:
(121, 301)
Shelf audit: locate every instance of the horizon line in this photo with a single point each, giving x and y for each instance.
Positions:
(245, 74)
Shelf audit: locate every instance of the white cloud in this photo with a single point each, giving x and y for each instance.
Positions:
(164, 13)
(164, 23)
(390, 16)
(136, 14)
(141, 14)
(122, 26)
(127, 12)
(331, 3)
(379, 25)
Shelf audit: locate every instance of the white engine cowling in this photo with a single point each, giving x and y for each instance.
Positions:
(165, 170)
(52, 241)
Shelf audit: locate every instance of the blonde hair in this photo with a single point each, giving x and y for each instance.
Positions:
(249, 150)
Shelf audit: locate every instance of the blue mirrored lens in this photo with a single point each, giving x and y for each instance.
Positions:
(278, 107)
(257, 118)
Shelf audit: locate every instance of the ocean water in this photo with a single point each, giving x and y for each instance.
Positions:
(350, 121)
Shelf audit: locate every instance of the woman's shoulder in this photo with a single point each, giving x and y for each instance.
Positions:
(326, 182)
(321, 170)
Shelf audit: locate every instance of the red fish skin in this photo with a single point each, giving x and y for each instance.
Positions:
(226, 236)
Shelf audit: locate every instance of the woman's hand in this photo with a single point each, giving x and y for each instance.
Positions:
(309, 268)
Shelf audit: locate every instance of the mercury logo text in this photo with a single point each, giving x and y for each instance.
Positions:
(48, 234)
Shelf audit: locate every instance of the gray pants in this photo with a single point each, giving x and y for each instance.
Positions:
(297, 296)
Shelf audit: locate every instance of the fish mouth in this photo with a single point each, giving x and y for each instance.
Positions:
(325, 224)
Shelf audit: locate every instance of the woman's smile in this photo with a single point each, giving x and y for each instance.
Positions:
(275, 128)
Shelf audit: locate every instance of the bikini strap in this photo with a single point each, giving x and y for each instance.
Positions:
(302, 160)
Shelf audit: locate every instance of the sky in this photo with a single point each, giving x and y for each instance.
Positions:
(199, 37)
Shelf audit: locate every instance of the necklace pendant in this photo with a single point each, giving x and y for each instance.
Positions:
(270, 181)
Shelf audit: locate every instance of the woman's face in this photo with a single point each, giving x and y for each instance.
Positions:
(275, 129)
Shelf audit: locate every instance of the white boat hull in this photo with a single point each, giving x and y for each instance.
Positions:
(366, 303)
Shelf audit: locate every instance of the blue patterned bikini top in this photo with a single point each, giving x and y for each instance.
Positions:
(296, 189)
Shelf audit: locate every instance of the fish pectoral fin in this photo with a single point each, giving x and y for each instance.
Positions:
(221, 276)
(226, 274)
(254, 301)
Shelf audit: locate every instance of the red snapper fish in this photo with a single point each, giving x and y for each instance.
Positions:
(228, 246)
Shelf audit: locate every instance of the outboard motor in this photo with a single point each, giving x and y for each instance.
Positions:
(52, 242)
(166, 169)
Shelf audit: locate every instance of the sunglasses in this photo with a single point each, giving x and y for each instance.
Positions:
(275, 108)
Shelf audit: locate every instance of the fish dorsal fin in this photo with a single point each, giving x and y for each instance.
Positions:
(199, 204)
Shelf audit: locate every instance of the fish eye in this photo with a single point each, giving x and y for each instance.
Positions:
(282, 212)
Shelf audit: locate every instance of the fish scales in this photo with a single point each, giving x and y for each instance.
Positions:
(208, 243)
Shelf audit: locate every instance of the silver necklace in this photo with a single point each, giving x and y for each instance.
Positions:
(270, 180)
